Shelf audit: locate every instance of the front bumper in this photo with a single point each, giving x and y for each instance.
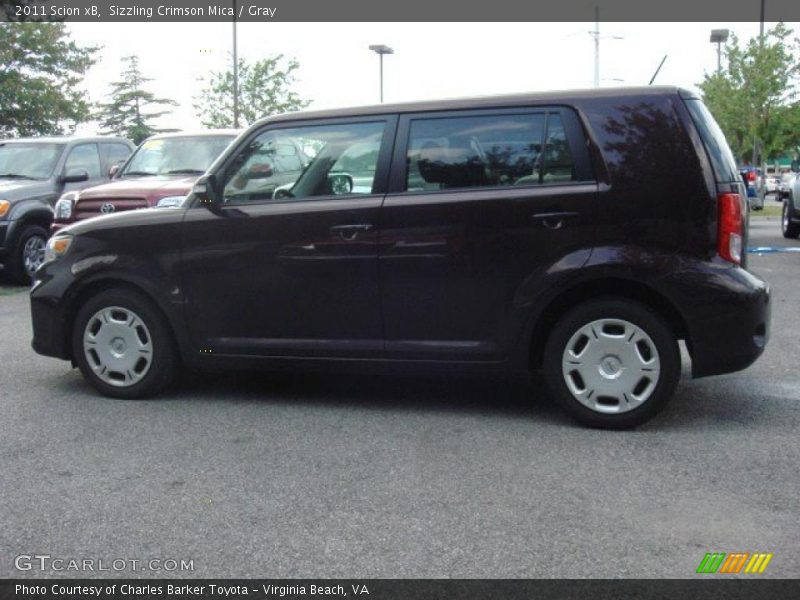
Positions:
(4, 227)
(49, 311)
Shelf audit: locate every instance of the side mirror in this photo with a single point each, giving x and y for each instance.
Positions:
(75, 176)
(340, 183)
(205, 190)
(113, 171)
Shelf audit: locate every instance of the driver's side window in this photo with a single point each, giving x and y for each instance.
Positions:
(303, 162)
(86, 158)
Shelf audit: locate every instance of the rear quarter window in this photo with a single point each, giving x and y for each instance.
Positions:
(719, 153)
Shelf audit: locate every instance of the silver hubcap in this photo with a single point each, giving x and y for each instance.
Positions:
(118, 346)
(33, 253)
(785, 217)
(611, 366)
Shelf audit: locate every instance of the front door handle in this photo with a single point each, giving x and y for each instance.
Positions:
(350, 232)
(553, 219)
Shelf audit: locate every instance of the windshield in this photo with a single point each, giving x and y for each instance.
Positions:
(178, 155)
(28, 161)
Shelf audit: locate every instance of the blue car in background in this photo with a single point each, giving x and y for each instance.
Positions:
(753, 179)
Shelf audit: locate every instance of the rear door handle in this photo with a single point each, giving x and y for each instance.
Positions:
(553, 219)
(350, 232)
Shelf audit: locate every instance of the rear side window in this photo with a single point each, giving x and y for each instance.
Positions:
(714, 140)
(487, 151)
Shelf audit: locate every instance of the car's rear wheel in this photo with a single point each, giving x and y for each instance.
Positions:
(612, 363)
(123, 345)
(28, 254)
(790, 230)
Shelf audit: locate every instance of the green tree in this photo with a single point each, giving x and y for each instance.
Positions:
(41, 69)
(754, 99)
(127, 113)
(264, 89)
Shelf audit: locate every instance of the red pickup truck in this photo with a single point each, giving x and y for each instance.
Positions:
(160, 173)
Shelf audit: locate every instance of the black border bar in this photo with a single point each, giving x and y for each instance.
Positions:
(703, 586)
(107, 11)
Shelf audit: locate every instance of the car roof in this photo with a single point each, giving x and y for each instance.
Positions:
(196, 133)
(554, 97)
(65, 139)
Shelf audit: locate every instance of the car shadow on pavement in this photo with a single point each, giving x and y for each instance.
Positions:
(430, 392)
(8, 287)
(697, 405)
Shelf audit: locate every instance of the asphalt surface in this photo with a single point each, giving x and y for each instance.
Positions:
(343, 476)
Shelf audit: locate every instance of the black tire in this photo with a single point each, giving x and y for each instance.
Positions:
(613, 308)
(164, 358)
(790, 230)
(17, 271)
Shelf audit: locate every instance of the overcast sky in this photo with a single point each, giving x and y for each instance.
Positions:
(431, 60)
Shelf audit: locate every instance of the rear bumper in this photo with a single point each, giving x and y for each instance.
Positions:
(728, 320)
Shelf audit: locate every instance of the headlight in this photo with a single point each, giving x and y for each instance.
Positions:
(63, 209)
(5, 206)
(57, 247)
(170, 202)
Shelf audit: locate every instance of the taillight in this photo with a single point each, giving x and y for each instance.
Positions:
(731, 228)
(751, 176)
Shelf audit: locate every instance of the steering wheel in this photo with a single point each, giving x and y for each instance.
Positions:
(281, 193)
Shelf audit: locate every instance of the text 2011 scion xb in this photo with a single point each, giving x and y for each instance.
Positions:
(581, 233)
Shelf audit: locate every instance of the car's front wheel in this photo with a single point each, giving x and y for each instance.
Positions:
(612, 363)
(28, 254)
(123, 345)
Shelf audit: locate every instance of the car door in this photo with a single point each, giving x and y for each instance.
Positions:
(481, 204)
(289, 268)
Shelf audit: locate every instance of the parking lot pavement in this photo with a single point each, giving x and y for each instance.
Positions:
(334, 476)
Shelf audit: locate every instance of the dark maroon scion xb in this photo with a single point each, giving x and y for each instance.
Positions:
(583, 234)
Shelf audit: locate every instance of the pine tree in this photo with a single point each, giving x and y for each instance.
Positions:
(128, 114)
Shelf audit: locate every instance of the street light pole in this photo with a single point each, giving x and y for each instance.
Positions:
(381, 77)
(719, 37)
(380, 50)
(596, 34)
(235, 73)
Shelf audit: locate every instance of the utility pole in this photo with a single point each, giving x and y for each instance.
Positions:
(760, 46)
(235, 73)
(595, 33)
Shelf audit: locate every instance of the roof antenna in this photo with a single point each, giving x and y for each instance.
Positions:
(661, 64)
